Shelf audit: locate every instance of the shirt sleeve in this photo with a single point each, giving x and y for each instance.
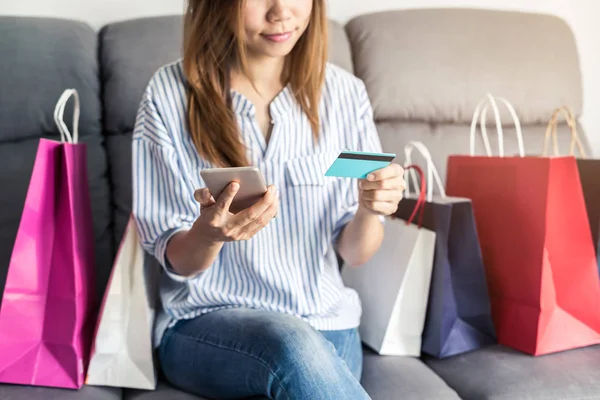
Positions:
(367, 141)
(163, 202)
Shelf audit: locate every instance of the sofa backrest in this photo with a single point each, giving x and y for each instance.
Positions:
(426, 70)
(130, 53)
(40, 58)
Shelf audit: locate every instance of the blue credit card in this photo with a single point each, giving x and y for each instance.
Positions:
(357, 164)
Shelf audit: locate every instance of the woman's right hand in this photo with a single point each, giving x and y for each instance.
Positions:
(217, 224)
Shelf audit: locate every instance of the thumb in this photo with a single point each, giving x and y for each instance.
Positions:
(204, 197)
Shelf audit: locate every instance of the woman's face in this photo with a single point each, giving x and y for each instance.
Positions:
(273, 27)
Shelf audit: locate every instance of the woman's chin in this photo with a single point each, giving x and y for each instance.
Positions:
(274, 50)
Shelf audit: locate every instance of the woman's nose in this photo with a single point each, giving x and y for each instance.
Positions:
(279, 11)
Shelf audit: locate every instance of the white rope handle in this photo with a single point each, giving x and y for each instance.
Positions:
(481, 114)
(432, 171)
(59, 112)
(517, 123)
(486, 142)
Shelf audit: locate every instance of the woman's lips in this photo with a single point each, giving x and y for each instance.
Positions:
(279, 37)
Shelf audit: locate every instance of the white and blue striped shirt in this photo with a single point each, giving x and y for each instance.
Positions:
(288, 267)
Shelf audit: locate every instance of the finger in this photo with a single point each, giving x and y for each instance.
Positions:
(226, 198)
(204, 198)
(382, 195)
(253, 212)
(397, 183)
(381, 207)
(391, 171)
(258, 224)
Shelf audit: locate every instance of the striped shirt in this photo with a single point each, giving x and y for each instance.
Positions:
(288, 267)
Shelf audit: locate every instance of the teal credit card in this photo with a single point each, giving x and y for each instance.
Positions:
(357, 164)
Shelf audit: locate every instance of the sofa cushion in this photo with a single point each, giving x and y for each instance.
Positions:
(499, 373)
(40, 59)
(130, 53)
(339, 47)
(119, 151)
(163, 391)
(434, 65)
(14, 392)
(406, 378)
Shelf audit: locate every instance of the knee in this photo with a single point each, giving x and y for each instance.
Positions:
(306, 364)
(299, 349)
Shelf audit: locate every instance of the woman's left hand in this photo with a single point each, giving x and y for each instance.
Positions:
(381, 192)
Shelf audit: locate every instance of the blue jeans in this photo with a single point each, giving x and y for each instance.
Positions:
(244, 353)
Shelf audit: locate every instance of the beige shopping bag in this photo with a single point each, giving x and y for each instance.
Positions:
(122, 353)
(394, 287)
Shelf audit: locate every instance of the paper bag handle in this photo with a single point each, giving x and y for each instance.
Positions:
(59, 112)
(420, 206)
(552, 128)
(481, 113)
(432, 172)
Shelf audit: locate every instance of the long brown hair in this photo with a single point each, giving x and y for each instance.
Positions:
(212, 48)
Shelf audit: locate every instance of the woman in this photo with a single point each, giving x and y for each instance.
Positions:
(254, 305)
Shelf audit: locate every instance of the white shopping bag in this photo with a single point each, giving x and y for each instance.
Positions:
(122, 353)
(394, 287)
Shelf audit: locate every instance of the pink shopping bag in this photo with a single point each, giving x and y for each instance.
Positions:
(47, 312)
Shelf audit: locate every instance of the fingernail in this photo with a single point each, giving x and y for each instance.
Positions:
(370, 177)
(235, 186)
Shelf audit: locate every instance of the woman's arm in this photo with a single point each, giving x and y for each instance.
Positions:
(378, 196)
(189, 253)
(183, 227)
(164, 205)
(162, 202)
(192, 252)
(361, 238)
(188, 256)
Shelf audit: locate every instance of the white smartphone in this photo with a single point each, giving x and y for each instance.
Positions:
(251, 181)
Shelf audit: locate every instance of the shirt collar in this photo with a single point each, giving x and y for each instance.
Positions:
(279, 107)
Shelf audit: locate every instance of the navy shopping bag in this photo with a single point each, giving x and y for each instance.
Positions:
(458, 316)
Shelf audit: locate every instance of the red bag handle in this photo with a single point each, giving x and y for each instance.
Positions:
(420, 206)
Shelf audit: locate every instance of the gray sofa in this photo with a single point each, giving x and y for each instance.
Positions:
(424, 69)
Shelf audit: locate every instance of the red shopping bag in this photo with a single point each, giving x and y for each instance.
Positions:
(47, 312)
(589, 170)
(536, 243)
